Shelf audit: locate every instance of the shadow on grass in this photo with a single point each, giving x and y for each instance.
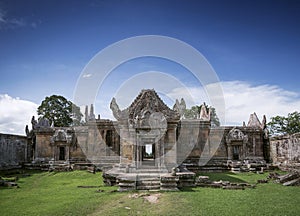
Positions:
(187, 189)
(231, 177)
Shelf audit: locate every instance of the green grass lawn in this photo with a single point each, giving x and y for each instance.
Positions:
(53, 193)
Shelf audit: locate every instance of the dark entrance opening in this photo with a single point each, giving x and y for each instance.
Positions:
(236, 150)
(62, 153)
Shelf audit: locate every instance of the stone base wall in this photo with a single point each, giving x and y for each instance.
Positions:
(285, 149)
(13, 151)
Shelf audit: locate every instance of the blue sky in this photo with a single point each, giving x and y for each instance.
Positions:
(254, 47)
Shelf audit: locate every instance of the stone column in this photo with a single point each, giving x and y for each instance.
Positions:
(67, 153)
(170, 154)
(230, 156)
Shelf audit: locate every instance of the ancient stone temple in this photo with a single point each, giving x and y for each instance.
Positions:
(149, 137)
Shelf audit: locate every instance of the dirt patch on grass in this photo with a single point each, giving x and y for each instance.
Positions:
(152, 198)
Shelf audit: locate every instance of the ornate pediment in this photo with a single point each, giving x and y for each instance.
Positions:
(63, 136)
(236, 135)
(146, 104)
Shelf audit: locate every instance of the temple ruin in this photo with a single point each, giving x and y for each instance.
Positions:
(148, 137)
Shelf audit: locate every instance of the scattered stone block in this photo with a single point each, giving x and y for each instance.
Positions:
(233, 187)
(10, 184)
(293, 182)
(91, 169)
(288, 177)
(262, 181)
(273, 175)
(203, 179)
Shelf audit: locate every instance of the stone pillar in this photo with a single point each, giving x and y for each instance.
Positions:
(136, 152)
(244, 149)
(67, 153)
(254, 146)
(170, 149)
(127, 142)
(230, 156)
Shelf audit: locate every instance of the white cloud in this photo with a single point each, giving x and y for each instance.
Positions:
(7, 22)
(15, 114)
(242, 99)
(2, 17)
(86, 75)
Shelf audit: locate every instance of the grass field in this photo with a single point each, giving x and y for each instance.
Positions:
(53, 193)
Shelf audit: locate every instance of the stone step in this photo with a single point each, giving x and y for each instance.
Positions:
(235, 169)
(148, 187)
(157, 182)
(148, 184)
(151, 170)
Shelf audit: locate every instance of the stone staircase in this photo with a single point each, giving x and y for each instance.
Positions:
(148, 182)
(147, 178)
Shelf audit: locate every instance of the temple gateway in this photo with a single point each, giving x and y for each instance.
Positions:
(150, 142)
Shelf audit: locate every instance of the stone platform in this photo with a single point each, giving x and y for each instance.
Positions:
(147, 178)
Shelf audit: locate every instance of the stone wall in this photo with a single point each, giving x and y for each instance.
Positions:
(13, 150)
(97, 142)
(199, 143)
(285, 149)
(192, 136)
(43, 149)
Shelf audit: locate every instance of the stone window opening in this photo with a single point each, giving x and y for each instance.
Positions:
(62, 153)
(235, 153)
(108, 138)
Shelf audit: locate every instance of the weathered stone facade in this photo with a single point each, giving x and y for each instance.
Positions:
(96, 142)
(147, 124)
(285, 149)
(13, 151)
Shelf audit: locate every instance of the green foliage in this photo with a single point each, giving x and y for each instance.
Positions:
(285, 125)
(57, 194)
(58, 109)
(195, 110)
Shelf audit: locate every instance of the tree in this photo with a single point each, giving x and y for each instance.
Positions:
(194, 112)
(285, 125)
(59, 110)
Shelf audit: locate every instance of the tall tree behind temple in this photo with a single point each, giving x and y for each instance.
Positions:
(60, 111)
(194, 112)
(285, 125)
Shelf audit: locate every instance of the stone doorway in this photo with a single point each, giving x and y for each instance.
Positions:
(148, 155)
(236, 152)
(62, 153)
(236, 144)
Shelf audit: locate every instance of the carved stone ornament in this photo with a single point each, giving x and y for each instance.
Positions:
(236, 135)
(115, 109)
(61, 135)
(146, 106)
(204, 115)
(180, 107)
